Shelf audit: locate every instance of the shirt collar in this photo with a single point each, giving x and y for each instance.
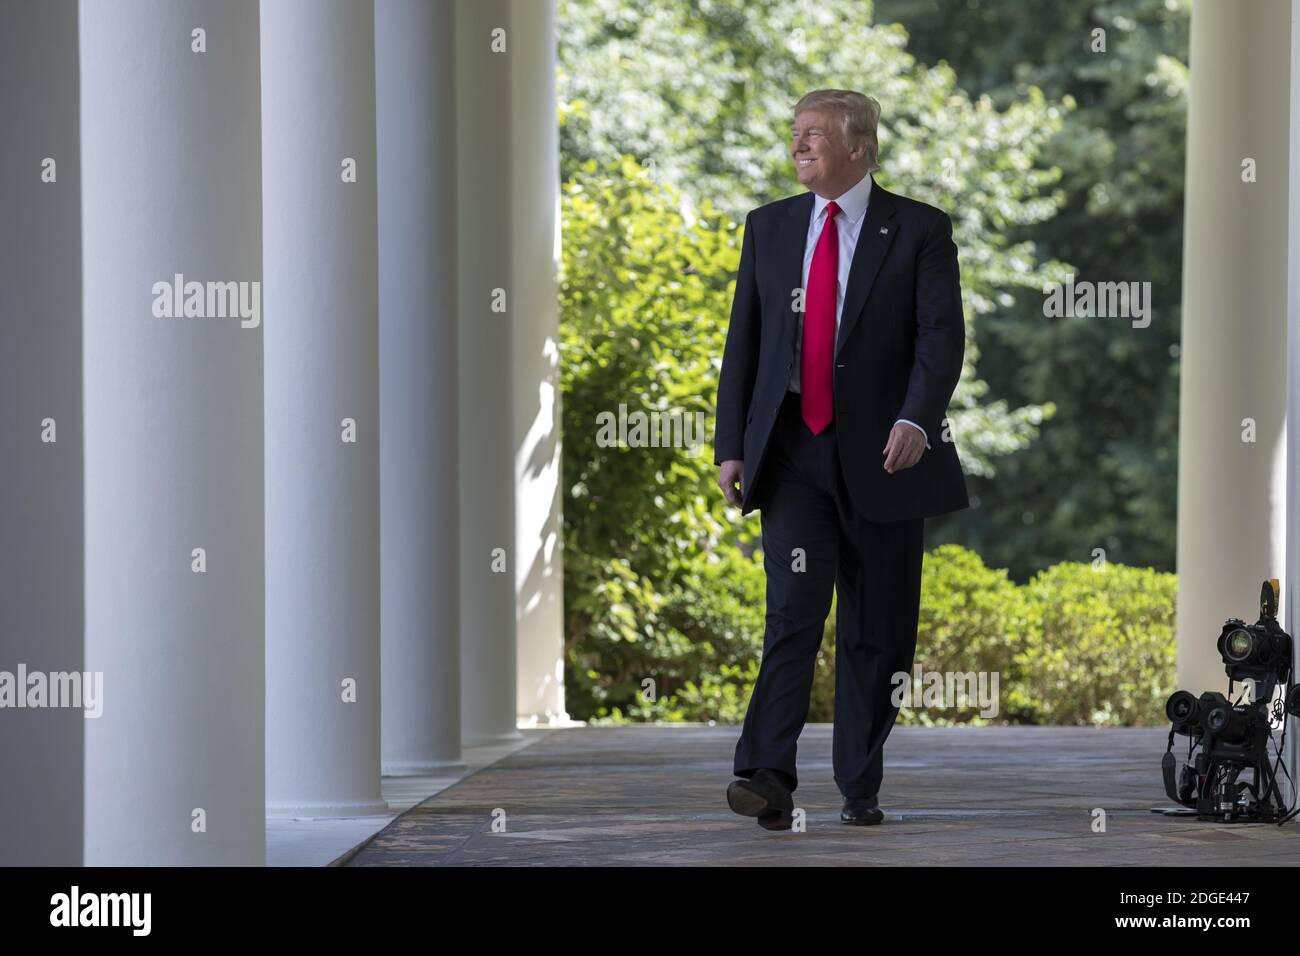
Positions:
(852, 204)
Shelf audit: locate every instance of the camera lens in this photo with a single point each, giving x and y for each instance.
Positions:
(1180, 707)
(1238, 645)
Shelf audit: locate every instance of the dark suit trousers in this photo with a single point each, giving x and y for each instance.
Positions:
(815, 542)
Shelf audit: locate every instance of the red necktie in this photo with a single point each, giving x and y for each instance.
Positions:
(818, 352)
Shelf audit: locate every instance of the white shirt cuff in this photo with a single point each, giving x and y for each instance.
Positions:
(918, 428)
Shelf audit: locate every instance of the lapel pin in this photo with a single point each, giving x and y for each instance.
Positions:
(884, 230)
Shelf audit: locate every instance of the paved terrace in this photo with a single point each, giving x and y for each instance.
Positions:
(654, 796)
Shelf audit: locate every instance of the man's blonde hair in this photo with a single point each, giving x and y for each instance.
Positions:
(858, 115)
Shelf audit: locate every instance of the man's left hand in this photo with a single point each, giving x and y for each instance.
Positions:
(904, 449)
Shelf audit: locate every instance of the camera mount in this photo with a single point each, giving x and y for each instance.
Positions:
(1233, 738)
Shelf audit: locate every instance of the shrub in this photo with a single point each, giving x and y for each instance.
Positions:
(1077, 645)
(1101, 650)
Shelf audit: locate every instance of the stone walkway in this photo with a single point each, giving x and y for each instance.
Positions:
(655, 796)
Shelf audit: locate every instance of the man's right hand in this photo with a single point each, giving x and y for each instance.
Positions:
(730, 474)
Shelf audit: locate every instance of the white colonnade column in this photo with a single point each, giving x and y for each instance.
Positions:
(534, 203)
(484, 44)
(322, 408)
(41, 597)
(1290, 619)
(419, 514)
(1232, 401)
(173, 432)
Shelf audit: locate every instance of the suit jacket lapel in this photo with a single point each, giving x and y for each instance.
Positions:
(878, 230)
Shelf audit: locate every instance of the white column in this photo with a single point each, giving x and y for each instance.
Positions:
(534, 204)
(41, 600)
(1232, 492)
(173, 435)
(322, 408)
(1291, 587)
(420, 579)
(487, 465)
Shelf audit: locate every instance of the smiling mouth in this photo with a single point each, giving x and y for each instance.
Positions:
(804, 162)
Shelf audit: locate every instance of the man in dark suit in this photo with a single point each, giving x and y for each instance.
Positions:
(844, 347)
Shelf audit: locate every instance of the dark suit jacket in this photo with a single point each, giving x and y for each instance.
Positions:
(898, 353)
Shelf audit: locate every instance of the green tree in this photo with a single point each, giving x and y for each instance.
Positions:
(1104, 474)
(701, 94)
(674, 123)
(643, 284)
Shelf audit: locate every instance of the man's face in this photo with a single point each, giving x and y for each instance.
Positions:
(823, 161)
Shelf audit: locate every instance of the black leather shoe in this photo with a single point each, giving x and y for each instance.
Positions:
(861, 811)
(763, 796)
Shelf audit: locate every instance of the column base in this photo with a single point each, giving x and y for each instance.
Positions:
(493, 740)
(330, 810)
(547, 721)
(422, 768)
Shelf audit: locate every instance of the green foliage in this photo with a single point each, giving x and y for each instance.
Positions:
(673, 124)
(973, 618)
(643, 285)
(703, 659)
(701, 94)
(643, 288)
(1101, 648)
(1078, 645)
(1121, 152)
(1045, 152)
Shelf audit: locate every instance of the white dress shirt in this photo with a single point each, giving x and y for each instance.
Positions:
(853, 211)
